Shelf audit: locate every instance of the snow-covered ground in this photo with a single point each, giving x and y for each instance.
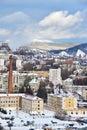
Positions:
(35, 122)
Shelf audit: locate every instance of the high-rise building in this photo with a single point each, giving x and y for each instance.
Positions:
(55, 76)
(18, 64)
(56, 79)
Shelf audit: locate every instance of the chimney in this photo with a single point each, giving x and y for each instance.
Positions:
(10, 85)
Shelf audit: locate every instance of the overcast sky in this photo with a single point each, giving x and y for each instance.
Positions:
(59, 21)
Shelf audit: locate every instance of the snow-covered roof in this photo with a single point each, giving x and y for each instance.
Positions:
(63, 95)
(31, 97)
(67, 80)
(34, 81)
(12, 94)
(77, 86)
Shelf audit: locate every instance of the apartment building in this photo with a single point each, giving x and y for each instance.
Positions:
(79, 111)
(32, 104)
(28, 103)
(62, 102)
(10, 101)
(17, 79)
(55, 76)
(68, 104)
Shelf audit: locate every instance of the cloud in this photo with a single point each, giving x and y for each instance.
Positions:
(42, 41)
(18, 17)
(62, 25)
(61, 18)
(4, 32)
(56, 26)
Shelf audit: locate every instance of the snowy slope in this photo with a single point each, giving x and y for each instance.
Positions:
(80, 53)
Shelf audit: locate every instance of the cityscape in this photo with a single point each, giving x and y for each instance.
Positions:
(41, 89)
(43, 65)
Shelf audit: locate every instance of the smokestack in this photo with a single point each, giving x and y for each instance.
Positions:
(10, 85)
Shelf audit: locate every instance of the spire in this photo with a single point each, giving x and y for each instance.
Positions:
(10, 85)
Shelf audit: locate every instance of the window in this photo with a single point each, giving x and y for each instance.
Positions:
(71, 112)
(84, 112)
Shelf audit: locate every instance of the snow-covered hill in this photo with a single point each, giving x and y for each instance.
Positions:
(63, 53)
(80, 53)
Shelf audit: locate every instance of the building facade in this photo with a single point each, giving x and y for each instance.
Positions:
(17, 80)
(64, 102)
(67, 104)
(55, 76)
(28, 103)
(10, 101)
(32, 104)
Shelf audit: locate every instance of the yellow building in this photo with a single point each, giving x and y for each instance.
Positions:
(64, 103)
(69, 103)
(28, 103)
(79, 111)
(10, 101)
(32, 104)
(41, 73)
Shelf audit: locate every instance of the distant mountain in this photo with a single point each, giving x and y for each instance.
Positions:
(73, 50)
(80, 53)
(63, 53)
(48, 46)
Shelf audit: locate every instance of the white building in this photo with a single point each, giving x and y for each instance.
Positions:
(55, 76)
(18, 80)
(1, 62)
(18, 64)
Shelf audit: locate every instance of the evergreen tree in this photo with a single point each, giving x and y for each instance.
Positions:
(27, 80)
(42, 92)
(29, 90)
(21, 90)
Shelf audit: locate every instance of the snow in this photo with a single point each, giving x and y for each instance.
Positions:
(68, 80)
(80, 53)
(31, 97)
(37, 121)
(13, 94)
(63, 53)
(33, 81)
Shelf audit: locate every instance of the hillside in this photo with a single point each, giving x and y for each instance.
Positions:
(73, 50)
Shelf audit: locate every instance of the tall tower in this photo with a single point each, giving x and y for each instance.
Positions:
(10, 85)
